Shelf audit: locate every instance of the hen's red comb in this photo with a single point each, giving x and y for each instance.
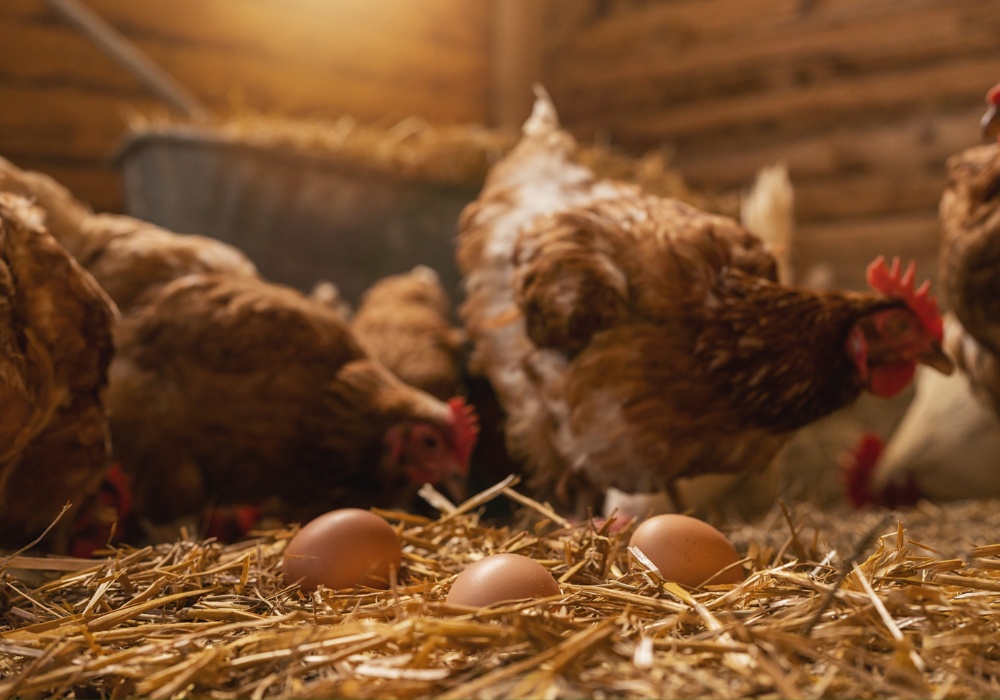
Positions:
(993, 96)
(889, 281)
(465, 423)
(990, 123)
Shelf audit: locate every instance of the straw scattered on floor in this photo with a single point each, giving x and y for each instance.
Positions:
(831, 607)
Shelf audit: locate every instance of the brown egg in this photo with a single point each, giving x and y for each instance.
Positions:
(342, 548)
(501, 577)
(687, 550)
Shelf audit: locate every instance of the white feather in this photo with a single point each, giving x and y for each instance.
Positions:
(948, 441)
(768, 210)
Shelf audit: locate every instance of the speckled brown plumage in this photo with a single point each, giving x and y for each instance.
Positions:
(55, 346)
(970, 265)
(633, 339)
(128, 257)
(229, 389)
(404, 321)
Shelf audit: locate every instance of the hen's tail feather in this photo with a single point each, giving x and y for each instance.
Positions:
(768, 210)
(858, 467)
(544, 118)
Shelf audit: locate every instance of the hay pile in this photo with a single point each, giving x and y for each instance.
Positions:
(449, 154)
(200, 619)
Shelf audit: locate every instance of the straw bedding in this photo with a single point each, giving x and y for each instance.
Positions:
(413, 148)
(873, 605)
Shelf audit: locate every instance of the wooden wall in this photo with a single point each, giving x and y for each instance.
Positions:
(863, 99)
(64, 103)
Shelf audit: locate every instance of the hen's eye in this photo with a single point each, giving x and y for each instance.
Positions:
(897, 325)
(429, 441)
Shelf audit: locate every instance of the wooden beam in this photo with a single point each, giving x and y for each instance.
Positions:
(128, 55)
(516, 54)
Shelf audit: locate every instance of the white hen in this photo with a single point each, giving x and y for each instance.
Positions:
(947, 447)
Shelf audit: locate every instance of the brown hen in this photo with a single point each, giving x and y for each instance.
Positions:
(55, 346)
(128, 257)
(403, 321)
(633, 340)
(229, 389)
(970, 257)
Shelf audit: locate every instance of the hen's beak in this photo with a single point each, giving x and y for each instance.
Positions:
(935, 357)
(991, 123)
(453, 484)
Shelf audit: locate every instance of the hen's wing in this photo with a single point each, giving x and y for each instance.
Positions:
(130, 258)
(64, 213)
(612, 287)
(57, 342)
(587, 269)
(215, 373)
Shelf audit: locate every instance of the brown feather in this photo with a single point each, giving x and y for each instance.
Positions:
(970, 265)
(56, 338)
(128, 257)
(230, 389)
(404, 322)
(633, 339)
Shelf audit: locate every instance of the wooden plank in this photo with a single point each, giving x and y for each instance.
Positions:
(54, 54)
(612, 30)
(277, 27)
(918, 145)
(425, 58)
(713, 48)
(428, 60)
(516, 55)
(24, 11)
(863, 99)
(98, 185)
(563, 20)
(273, 87)
(868, 96)
(847, 246)
(65, 122)
(867, 195)
(66, 103)
(130, 58)
(680, 24)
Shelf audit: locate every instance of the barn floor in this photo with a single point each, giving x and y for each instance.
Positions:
(835, 604)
